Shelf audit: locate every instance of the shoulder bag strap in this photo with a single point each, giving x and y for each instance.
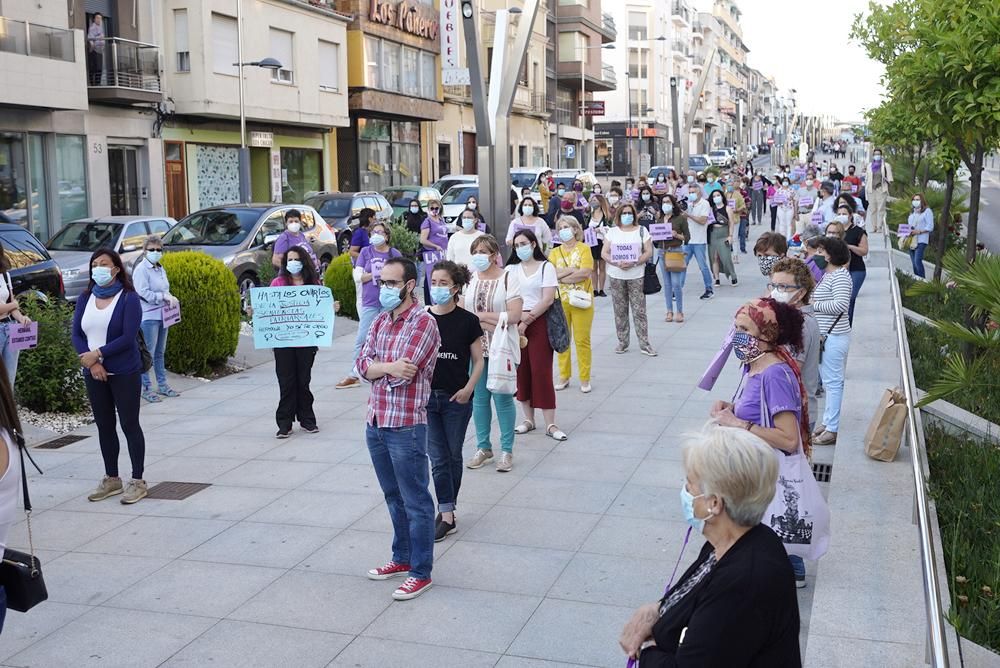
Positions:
(835, 323)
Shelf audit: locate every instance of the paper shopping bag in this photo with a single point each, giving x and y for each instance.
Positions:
(885, 432)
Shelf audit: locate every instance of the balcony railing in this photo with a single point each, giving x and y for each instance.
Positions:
(608, 24)
(540, 104)
(31, 39)
(608, 75)
(129, 72)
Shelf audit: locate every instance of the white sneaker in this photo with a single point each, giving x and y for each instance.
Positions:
(585, 388)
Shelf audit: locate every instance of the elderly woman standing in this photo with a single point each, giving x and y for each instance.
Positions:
(736, 604)
(574, 266)
(153, 288)
(832, 303)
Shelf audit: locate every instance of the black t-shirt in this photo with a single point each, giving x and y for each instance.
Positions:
(853, 237)
(459, 330)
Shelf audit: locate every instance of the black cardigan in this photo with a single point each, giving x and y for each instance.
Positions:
(743, 613)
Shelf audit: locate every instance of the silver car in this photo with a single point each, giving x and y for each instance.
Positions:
(73, 245)
(243, 236)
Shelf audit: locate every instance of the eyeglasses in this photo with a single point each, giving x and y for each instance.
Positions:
(782, 287)
(434, 209)
(389, 284)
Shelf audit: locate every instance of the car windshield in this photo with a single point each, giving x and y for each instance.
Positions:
(459, 194)
(697, 160)
(332, 208)
(523, 179)
(213, 228)
(719, 153)
(402, 197)
(85, 237)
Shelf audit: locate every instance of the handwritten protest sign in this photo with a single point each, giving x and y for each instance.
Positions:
(171, 314)
(625, 252)
(904, 230)
(780, 198)
(292, 316)
(661, 231)
(817, 217)
(23, 337)
(806, 201)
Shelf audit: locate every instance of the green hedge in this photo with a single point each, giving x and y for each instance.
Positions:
(405, 241)
(339, 278)
(946, 304)
(49, 378)
(209, 329)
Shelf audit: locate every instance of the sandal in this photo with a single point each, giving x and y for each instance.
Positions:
(679, 318)
(669, 317)
(150, 396)
(552, 431)
(524, 427)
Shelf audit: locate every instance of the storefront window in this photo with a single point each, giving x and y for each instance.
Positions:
(374, 163)
(39, 200)
(71, 177)
(13, 178)
(373, 129)
(388, 153)
(301, 173)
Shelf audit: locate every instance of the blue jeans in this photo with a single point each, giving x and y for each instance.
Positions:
(399, 455)
(365, 319)
(831, 370)
(857, 279)
(700, 253)
(447, 422)
(917, 258)
(673, 289)
(155, 336)
(798, 565)
(743, 232)
(9, 355)
(504, 404)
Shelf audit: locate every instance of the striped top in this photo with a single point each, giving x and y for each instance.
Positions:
(831, 299)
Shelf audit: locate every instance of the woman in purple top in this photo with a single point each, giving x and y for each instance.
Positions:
(292, 236)
(434, 241)
(359, 238)
(771, 400)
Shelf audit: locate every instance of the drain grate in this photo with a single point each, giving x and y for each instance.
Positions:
(61, 442)
(822, 472)
(175, 491)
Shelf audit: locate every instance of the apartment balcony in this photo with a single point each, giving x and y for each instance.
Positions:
(681, 14)
(130, 74)
(680, 48)
(541, 105)
(597, 79)
(609, 32)
(608, 76)
(42, 66)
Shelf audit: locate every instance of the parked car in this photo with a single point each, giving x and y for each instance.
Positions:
(453, 203)
(399, 197)
(567, 176)
(764, 148)
(32, 269)
(527, 177)
(72, 246)
(720, 157)
(446, 183)
(698, 162)
(243, 236)
(340, 211)
(654, 172)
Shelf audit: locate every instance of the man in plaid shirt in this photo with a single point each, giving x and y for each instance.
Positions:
(398, 360)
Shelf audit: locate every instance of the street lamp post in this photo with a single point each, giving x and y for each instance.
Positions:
(267, 64)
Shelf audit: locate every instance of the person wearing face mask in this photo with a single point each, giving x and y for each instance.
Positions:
(293, 366)
(568, 207)
(555, 205)
(580, 203)
(856, 239)
(810, 243)
(574, 267)
(292, 236)
(414, 217)
(835, 176)
(852, 205)
(711, 183)
(921, 222)
(823, 211)
(359, 238)
(367, 269)
(737, 205)
(599, 221)
(398, 359)
(492, 293)
(528, 219)
(674, 272)
(460, 244)
(720, 238)
(851, 183)
(771, 401)
(772, 205)
(832, 301)
(697, 214)
(106, 327)
(736, 604)
(598, 189)
(544, 189)
(433, 241)
(792, 283)
(472, 204)
(647, 206)
(449, 409)
(878, 177)
(153, 288)
(631, 194)
(770, 248)
(806, 200)
(785, 199)
(836, 228)
(627, 249)
(660, 186)
(758, 198)
(615, 198)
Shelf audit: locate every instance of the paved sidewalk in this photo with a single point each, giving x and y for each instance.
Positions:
(266, 566)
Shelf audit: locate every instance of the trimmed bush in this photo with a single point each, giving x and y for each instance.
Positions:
(339, 278)
(209, 329)
(405, 241)
(49, 377)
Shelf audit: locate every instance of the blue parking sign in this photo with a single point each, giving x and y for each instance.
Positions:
(570, 151)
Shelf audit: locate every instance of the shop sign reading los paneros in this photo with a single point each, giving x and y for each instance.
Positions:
(405, 17)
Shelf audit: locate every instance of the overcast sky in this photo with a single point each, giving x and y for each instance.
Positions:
(804, 45)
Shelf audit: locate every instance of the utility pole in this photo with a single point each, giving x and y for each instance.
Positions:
(695, 99)
(675, 152)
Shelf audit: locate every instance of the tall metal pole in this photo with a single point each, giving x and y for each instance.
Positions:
(628, 132)
(675, 153)
(583, 97)
(244, 153)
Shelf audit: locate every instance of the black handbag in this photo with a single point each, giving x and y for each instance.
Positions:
(21, 573)
(147, 359)
(556, 324)
(650, 281)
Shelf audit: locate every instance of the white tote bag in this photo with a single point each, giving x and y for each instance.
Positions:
(501, 378)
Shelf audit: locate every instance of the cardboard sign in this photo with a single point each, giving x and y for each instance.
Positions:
(817, 217)
(292, 316)
(854, 188)
(714, 370)
(805, 201)
(758, 185)
(904, 230)
(661, 231)
(731, 204)
(171, 314)
(481, 227)
(625, 252)
(590, 237)
(22, 337)
(780, 198)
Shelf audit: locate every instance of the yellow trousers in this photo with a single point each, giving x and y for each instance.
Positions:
(580, 321)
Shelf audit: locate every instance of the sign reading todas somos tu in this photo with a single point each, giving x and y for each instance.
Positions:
(292, 316)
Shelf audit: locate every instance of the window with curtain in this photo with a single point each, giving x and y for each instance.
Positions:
(329, 66)
(637, 25)
(373, 59)
(390, 66)
(411, 71)
(182, 62)
(428, 77)
(281, 49)
(224, 51)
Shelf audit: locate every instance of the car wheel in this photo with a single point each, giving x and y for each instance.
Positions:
(246, 282)
(324, 264)
(344, 243)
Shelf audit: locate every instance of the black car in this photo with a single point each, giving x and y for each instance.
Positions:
(31, 267)
(340, 211)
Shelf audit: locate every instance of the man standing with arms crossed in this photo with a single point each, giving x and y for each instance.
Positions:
(398, 360)
(878, 176)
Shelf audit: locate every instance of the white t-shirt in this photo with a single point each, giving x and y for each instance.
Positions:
(699, 233)
(539, 227)
(10, 488)
(616, 236)
(460, 247)
(531, 286)
(95, 321)
(4, 290)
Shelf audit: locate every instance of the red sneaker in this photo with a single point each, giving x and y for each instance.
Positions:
(390, 570)
(411, 588)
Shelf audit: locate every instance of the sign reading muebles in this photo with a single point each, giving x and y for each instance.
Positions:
(405, 17)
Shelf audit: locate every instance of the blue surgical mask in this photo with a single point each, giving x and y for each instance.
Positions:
(687, 506)
(627, 219)
(566, 234)
(154, 256)
(377, 239)
(525, 253)
(692, 197)
(294, 267)
(440, 294)
(527, 210)
(468, 223)
(101, 275)
(389, 298)
(480, 262)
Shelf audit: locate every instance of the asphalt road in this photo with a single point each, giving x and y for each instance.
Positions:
(989, 211)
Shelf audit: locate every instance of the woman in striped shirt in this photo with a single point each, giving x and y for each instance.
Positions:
(831, 303)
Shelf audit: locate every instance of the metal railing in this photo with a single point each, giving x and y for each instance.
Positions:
(540, 104)
(608, 23)
(31, 39)
(937, 644)
(129, 64)
(608, 75)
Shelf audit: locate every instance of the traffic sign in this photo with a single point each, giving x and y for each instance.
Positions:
(570, 151)
(770, 140)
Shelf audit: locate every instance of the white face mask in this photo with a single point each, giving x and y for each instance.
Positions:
(782, 297)
(915, 203)
(294, 227)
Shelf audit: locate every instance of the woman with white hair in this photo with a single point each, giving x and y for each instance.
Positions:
(736, 604)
